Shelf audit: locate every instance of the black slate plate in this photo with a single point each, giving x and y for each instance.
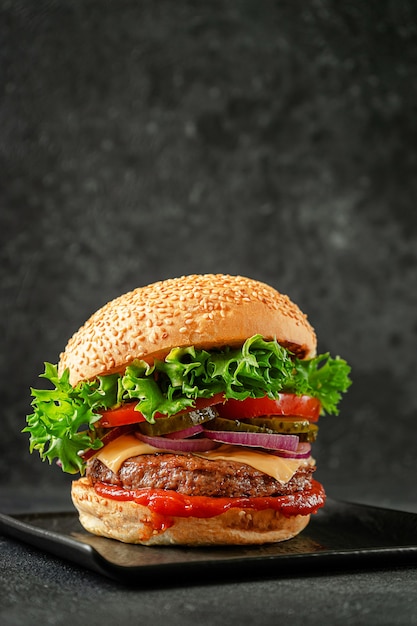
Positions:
(341, 536)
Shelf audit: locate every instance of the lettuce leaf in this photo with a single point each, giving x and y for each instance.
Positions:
(62, 423)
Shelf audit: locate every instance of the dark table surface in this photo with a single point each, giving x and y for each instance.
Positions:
(37, 587)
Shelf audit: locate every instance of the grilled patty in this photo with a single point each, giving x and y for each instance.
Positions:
(191, 475)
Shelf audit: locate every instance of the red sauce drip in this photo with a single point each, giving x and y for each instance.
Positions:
(173, 504)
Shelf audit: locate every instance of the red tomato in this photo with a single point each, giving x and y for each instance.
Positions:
(126, 413)
(286, 404)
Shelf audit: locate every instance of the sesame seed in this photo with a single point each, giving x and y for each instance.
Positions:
(135, 324)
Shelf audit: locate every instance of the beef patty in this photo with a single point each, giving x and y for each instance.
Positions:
(192, 475)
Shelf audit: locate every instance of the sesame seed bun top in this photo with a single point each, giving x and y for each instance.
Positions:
(206, 311)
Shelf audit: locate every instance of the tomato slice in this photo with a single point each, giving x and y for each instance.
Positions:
(286, 404)
(126, 413)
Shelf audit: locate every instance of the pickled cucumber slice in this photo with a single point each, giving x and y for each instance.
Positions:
(311, 435)
(165, 425)
(279, 425)
(222, 423)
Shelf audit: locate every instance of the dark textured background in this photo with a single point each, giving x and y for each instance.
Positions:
(145, 140)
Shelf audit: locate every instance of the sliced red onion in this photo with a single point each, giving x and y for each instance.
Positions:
(255, 440)
(178, 445)
(303, 452)
(187, 432)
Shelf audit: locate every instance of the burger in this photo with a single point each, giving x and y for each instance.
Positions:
(188, 409)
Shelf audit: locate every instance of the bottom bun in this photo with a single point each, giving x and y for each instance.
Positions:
(130, 522)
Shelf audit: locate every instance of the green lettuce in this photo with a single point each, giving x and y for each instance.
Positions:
(62, 424)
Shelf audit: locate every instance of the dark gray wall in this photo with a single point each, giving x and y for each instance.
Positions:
(145, 140)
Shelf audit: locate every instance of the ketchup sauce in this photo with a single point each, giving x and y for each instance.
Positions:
(173, 504)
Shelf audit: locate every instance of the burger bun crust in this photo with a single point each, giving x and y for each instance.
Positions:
(133, 523)
(205, 310)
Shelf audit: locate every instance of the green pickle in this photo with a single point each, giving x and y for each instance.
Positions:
(302, 428)
(279, 425)
(311, 435)
(210, 418)
(221, 423)
(166, 425)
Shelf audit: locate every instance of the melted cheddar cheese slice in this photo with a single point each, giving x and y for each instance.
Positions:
(116, 452)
